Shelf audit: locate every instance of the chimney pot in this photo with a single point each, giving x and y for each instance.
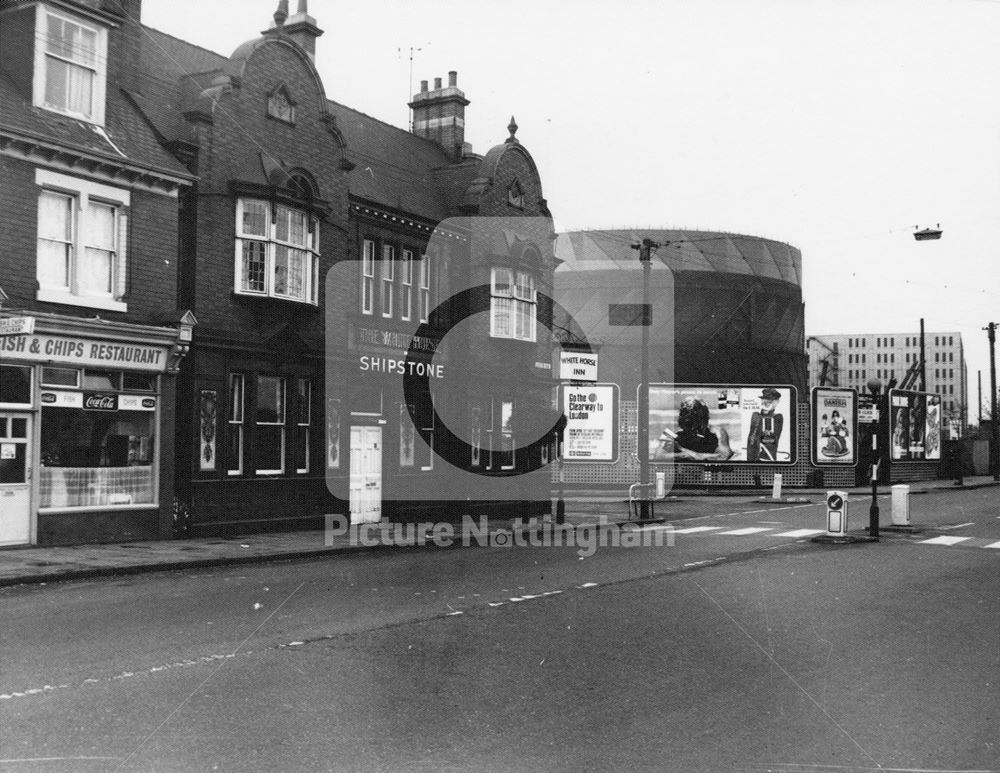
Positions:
(437, 84)
(452, 77)
(423, 86)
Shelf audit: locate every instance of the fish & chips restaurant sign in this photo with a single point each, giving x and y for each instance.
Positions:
(68, 350)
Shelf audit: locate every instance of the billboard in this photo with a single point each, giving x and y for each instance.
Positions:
(591, 413)
(914, 426)
(722, 423)
(834, 427)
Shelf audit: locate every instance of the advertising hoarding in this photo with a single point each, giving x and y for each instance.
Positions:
(834, 427)
(914, 425)
(591, 412)
(722, 423)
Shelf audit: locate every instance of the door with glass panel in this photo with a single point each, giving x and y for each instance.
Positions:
(15, 478)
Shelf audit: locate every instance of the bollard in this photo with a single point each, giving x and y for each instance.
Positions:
(901, 505)
(776, 487)
(836, 513)
(661, 485)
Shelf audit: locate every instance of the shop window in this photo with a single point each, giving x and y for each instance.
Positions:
(104, 380)
(277, 251)
(234, 425)
(406, 286)
(512, 305)
(368, 277)
(269, 445)
(138, 382)
(425, 289)
(15, 385)
(302, 424)
(96, 456)
(82, 233)
(388, 274)
(60, 377)
(70, 65)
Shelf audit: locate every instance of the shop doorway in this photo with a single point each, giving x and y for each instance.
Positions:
(366, 474)
(15, 478)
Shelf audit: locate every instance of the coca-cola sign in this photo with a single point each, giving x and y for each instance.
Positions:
(100, 401)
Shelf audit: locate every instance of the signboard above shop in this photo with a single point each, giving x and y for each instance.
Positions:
(577, 366)
(73, 350)
(17, 326)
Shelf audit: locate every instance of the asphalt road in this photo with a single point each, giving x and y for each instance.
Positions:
(749, 651)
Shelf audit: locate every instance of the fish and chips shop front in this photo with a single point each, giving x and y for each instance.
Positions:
(86, 430)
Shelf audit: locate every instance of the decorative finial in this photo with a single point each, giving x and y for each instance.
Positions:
(281, 14)
(512, 128)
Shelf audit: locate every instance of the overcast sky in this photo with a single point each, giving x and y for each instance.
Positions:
(834, 125)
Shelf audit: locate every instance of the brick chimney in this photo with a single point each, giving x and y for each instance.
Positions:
(300, 27)
(439, 115)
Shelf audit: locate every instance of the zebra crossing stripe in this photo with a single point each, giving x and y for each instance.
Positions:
(750, 530)
(799, 533)
(696, 529)
(992, 545)
(943, 541)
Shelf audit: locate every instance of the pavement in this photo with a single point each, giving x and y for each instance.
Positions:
(39, 565)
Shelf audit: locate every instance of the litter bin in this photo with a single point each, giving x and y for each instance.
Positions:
(901, 505)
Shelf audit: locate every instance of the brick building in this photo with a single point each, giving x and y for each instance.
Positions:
(93, 331)
(317, 244)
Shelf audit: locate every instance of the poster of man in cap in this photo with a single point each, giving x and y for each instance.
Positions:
(722, 424)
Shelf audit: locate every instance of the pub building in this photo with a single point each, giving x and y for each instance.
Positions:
(91, 333)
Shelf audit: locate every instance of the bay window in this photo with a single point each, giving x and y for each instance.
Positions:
(70, 65)
(82, 233)
(277, 251)
(512, 304)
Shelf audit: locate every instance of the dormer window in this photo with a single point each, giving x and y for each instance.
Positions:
(280, 105)
(70, 65)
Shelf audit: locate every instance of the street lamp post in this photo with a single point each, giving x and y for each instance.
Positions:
(875, 387)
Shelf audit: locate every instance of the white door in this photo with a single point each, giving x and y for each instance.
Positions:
(366, 474)
(15, 478)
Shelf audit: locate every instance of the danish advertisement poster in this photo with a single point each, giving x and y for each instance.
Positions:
(914, 426)
(591, 422)
(722, 423)
(834, 427)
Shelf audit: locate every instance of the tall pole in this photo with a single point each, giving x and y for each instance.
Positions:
(875, 387)
(991, 333)
(645, 257)
(923, 359)
(980, 374)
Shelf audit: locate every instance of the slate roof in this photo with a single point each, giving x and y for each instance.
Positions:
(393, 167)
(125, 137)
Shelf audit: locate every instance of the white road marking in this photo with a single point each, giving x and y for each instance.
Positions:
(993, 545)
(589, 585)
(799, 533)
(750, 530)
(957, 526)
(943, 541)
(695, 529)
